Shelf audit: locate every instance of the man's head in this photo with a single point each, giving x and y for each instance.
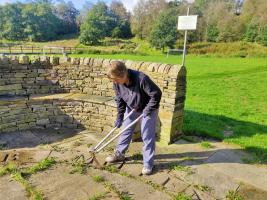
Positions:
(118, 72)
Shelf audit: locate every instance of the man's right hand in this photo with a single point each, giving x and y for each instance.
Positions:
(118, 122)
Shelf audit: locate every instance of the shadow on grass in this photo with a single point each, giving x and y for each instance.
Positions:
(248, 135)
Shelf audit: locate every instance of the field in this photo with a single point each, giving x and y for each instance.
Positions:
(226, 98)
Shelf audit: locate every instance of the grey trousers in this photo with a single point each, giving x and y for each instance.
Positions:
(148, 133)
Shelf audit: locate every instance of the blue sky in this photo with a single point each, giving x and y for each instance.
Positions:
(129, 4)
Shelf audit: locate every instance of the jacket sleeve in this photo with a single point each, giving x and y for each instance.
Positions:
(121, 105)
(154, 92)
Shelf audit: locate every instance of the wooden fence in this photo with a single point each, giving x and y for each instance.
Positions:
(39, 50)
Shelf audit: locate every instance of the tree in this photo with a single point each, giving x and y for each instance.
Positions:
(99, 23)
(212, 33)
(144, 15)
(39, 21)
(122, 29)
(87, 6)
(12, 27)
(67, 14)
(251, 31)
(255, 18)
(137, 21)
(119, 10)
(262, 37)
(164, 32)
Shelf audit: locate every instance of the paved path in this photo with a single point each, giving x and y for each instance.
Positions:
(181, 168)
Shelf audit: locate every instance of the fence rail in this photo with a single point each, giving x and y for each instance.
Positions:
(39, 50)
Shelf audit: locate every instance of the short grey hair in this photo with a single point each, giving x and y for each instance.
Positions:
(117, 69)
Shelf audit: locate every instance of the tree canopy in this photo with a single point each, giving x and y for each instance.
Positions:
(218, 21)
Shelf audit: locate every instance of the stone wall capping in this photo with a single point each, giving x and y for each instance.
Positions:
(14, 60)
(174, 70)
(98, 62)
(23, 59)
(106, 63)
(138, 65)
(64, 59)
(167, 68)
(4, 59)
(54, 60)
(45, 60)
(86, 61)
(162, 68)
(75, 61)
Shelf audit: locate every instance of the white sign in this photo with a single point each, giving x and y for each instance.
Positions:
(187, 22)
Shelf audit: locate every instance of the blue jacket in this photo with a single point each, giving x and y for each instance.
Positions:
(141, 94)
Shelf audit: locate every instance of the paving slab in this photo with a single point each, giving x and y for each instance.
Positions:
(20, 139)
(220, 183)
(59, 184)
(23, 157)
(249, 192)
(11, 190)
(134, 188)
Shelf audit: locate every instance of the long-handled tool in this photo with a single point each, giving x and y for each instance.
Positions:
(98, 147)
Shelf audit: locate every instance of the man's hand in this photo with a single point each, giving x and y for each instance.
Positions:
(118, 122)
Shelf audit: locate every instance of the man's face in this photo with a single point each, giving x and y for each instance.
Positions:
(119, 80)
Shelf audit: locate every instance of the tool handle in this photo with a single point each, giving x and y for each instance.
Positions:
(115, 128)
(112, 139)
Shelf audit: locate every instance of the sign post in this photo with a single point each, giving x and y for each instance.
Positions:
(185, 23)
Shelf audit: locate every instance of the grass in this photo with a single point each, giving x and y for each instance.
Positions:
(8, 169)
(177, 167)
(122, 195)
(21, 175)
(182, 196)
(41, 166)
(206, 145)
(137, 156)
(34, 194)
(111, 168)
(98, 179)
(233, 195)
(203, 188)
(78, 167)
(98, 196)
(223, 94)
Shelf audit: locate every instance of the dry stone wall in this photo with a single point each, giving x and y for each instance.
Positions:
(87, 101)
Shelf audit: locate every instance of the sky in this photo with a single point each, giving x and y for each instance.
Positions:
(129, 4)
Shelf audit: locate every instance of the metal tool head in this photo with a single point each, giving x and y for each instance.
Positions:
(92, 161)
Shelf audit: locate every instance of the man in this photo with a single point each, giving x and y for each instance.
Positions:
(135, 90)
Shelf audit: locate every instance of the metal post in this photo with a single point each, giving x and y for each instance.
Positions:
(185, 40)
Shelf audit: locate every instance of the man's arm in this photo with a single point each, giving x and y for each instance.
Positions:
(121, 105)
(153, 91)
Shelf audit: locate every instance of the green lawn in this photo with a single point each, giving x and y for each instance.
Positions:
(224, 95)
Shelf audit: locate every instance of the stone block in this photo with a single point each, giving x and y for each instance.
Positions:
(23, 59)
(42, 121)
(23, 126)
(75, 61)
(11, 87)
(4, 59)
(64, 60)
(7, 125)
(54, 60)
(10, 129)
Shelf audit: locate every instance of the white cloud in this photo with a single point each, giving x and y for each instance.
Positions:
(129, 4)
